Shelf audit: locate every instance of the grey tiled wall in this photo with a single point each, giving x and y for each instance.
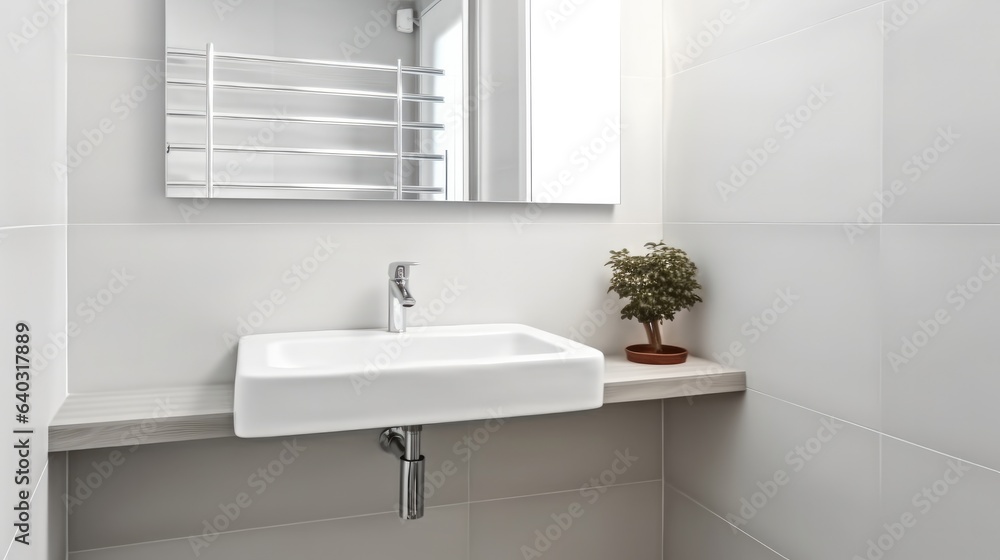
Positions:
(571, 486)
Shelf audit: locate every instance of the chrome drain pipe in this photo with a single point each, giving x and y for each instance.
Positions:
(404, 443)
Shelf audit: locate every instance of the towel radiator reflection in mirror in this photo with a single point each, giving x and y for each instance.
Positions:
(211, 187)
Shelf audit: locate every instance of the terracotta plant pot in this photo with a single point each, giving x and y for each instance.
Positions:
(643, 354)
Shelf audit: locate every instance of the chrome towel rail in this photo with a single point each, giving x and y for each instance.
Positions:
(312, 186)
(211, 85)
(309, 120)
(421, 70)
(415, 97)
(305, 151)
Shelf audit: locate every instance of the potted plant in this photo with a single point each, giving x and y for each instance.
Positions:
(657, 285)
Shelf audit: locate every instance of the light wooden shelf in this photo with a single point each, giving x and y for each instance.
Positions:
(95, 420)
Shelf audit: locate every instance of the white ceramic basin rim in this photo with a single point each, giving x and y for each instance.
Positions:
(326, 381)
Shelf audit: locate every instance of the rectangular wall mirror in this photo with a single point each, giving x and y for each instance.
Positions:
(434, 100)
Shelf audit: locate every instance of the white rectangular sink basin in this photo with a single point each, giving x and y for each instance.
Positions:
(329, 381)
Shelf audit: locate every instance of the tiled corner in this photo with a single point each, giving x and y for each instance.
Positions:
(690, 532)
(559, 452)
(587, 524)
(765, 465)
(797, 306)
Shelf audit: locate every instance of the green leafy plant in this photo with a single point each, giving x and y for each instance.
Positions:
(657, 285)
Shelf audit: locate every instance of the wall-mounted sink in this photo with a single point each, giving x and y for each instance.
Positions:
(328, 381)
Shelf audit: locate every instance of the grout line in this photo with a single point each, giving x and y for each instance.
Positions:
(427, 223)
(572, 490)
(65, 507)
(33, 226)
(724, 520)
(663, 478)
(112, 57)
(248, 529)
(881, 253)
(468, 497)
(773, 39)
(901, 224)
(874, 431)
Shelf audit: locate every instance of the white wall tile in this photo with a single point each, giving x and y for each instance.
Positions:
(808, 498)
(941, 114)
(642, 38)
(33, 112)
(799, 302)
(788, 131)
(192, 284)
(941, 296)
(932, 507)
(33, 284)
(120, 28)
(33, 281)
(698, 31)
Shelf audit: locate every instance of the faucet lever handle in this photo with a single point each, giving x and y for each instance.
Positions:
(401, 269)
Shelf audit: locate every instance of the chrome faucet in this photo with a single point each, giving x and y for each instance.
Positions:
(399, 295)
